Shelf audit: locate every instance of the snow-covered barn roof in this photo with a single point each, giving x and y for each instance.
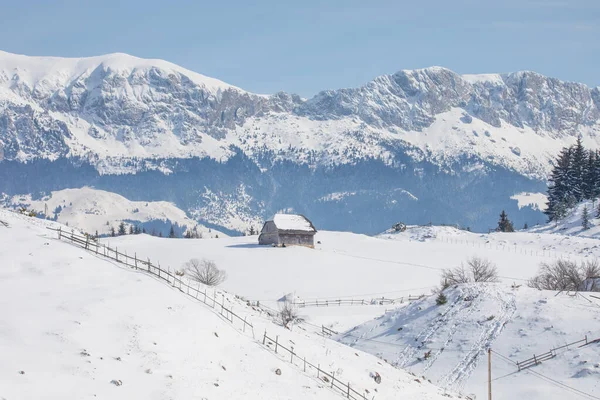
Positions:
(293, 222)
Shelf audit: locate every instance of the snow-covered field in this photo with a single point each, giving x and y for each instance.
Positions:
(63, 300)
(73, 322)
(93, 210)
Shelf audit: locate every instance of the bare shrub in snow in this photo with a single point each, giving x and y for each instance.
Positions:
(567, 275)
(483, 270)
(205, 271)
(288, 313)
(455, 276)
(477, 270)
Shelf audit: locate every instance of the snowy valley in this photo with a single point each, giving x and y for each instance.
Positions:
(103, 321)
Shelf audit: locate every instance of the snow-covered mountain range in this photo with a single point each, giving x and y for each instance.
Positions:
(415, 131)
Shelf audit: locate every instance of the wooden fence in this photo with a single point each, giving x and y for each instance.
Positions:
(325, 331)
(199, 292)
(355, 302)
(510, 248)
(92, 245)
(539, 358)
(329, 378)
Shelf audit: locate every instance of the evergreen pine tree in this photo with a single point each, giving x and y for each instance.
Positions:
(97, 236)
(598, 211)
(172, 232)
(504, 224)
(143, 230)
(585, 218)
(559, 189)
(589, 176)
(577, 175)
(112, 231)
(160, 234)
(122, 229)
(441, 299)
(525, 226)
(595, 176)
(131, 232)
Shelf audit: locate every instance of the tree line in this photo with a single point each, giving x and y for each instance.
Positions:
(574, 178)
(136, 230)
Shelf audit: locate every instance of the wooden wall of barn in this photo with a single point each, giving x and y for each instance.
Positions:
(297, 239)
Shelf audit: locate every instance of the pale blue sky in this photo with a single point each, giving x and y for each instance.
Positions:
(307, 46)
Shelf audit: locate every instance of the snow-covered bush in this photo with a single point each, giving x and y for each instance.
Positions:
(205, 271)
(567, 275)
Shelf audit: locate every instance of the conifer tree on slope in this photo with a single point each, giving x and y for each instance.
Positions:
(504, 224)
(577, 175)
(596, 176)
(585, 218)
(172, 232)
(122, 230)
(558, 191)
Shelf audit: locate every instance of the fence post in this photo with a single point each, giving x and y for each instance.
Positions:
(535, 359)
(59, 232)
(304, 364)
(276, 342)
(87, 241)
(348, 389)
(332, 378)
(318, 369)
(292, 355)
(265, 337)
(117, 253)
(135, 259)
(159, 269)
(149, 270)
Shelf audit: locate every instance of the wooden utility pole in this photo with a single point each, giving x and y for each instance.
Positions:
(490, 373)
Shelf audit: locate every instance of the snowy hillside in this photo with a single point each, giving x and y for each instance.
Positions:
(448, 343)
(572, 223)
(77, 326)
(349, 266)
(342, 266)
(92, 210)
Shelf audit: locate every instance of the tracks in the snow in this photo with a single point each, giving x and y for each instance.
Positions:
(457, 377)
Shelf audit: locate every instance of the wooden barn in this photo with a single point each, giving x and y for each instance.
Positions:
(288, 230)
